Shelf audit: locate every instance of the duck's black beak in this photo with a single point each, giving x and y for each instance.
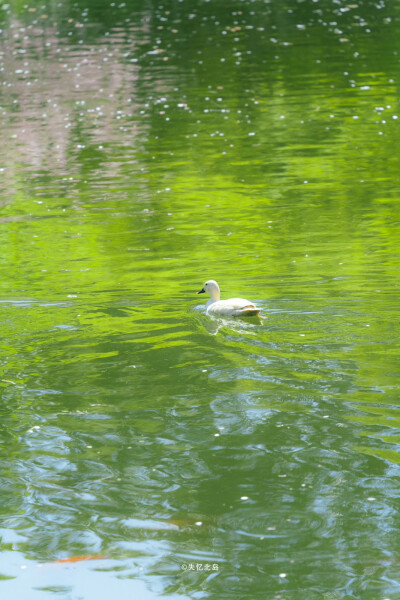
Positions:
(203, 291)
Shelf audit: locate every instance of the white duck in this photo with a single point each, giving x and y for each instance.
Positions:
(234, 307)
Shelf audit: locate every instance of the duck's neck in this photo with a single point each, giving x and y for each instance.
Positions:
(215, 295)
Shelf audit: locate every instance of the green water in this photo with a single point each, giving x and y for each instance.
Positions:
(144, 150)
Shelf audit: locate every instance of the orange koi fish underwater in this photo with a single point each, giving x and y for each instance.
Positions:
(74, 559)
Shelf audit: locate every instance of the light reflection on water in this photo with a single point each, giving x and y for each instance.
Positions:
(133, 425)
(107, 446)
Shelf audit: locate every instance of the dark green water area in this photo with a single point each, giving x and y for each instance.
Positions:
(146, 147)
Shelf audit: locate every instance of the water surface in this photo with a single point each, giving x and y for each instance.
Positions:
(149, 148)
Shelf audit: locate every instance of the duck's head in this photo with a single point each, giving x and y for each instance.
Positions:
(212, 288)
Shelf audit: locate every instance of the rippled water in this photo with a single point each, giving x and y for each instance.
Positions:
(145, 150)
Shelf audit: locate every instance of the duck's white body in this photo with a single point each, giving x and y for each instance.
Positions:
(234, 307)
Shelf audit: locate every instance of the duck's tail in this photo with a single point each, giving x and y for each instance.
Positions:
(249, 311)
